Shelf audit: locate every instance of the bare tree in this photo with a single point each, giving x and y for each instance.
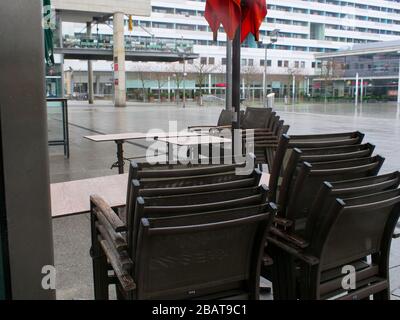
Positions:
(251, 74)
(162, 79)
(143, 76)
(331, 69)
(176, 71)
(295, 74)
(202, 70)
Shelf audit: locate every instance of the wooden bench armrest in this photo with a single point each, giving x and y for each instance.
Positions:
(115, 222)
(285, 223)
(201, 127)
(222, 127)
(290, 238)
(296, 252)
(125, 279)
(267, 260)
(116, 239)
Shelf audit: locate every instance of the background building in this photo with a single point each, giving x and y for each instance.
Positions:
(376, 66)
(306, 28)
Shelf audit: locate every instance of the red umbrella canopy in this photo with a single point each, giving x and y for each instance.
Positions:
(225, 12)
(229, 13)
(253, 14)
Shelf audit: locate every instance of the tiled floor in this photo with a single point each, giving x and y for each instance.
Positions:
(381, 124)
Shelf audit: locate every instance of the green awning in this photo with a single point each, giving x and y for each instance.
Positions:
(48, 33)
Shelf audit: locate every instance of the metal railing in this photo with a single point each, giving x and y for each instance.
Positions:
(131, 43)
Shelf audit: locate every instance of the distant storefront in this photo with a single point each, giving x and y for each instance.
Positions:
(376, 66)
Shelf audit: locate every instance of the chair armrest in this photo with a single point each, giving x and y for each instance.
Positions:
(125, 279)
(267, 260)
(296, 252)
(200, 127)
(113, 219)
(396, 233)
(291, 238)
(283, 222)
(222, 127)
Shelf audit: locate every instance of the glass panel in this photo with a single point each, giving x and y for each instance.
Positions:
(55, 121)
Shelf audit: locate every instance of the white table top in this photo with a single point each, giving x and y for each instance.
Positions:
(196, 140)
(72, 198)
(140, 135)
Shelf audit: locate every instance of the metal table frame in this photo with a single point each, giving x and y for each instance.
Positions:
(65, 141)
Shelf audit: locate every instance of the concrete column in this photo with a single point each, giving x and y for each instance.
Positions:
(228, 92)
(209, 83)
(398, 86)
(98, 79)
(90, 68)
(119, 60)
(169, 89)
(356, 93)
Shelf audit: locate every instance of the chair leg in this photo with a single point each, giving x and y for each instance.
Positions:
(100, 278)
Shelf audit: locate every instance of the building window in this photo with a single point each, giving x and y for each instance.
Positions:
(280, 63)
(211, 60)
(203, 60)
(251, 62)
(297, 64)
(244, 62)
(303, 64)
(313, 65)
(286, 64)
(223, 61)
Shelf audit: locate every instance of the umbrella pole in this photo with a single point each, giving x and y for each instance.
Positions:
(236, 61)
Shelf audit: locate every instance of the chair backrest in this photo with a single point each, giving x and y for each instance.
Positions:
(255, 118)
(356, 228)
(311, 176)
(201, 198)
(210, 260)
(327, 144)
(329, 191)
(191, 204)
(326, 140)
(226, 117)
(337, 153)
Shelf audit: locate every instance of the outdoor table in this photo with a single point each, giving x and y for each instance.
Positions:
(193, 141)
(121, 138)
(73, 197)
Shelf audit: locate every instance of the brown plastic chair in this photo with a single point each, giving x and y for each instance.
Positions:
(338, 242)
(185, 262)
(324, 143)
(224, 121)
(172, 229)
(311, 176)
(152, 207)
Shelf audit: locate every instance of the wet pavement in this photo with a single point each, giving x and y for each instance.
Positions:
(380, 123)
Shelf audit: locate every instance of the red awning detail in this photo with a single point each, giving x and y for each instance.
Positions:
(253, 14)
(225, 12)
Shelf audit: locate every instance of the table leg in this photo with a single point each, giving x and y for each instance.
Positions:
(170, 148)
(120, 157)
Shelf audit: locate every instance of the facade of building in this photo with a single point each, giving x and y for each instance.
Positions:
(306, 28)
(375, 65)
